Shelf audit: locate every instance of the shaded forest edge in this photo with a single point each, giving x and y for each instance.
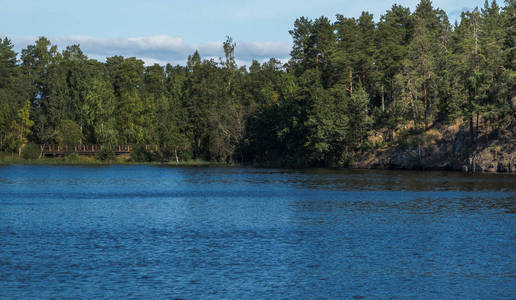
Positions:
(409, 91)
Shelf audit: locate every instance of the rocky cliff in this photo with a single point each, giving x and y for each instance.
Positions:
(447, 148)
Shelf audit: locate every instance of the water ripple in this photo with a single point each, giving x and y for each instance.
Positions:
(159, 232)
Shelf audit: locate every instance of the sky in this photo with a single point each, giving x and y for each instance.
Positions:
(167, 31)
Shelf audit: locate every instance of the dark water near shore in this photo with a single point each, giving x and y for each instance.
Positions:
(160, 232)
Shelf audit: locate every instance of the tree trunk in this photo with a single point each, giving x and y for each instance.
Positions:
(471, 129)
(21, 138)
(175, 152)
(383, 99)
(426, 107)
(476, 130)
(363, 74)
(350, 82)
(414, 108)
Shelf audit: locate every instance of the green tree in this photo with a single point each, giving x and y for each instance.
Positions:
(497, 78)
(126, 76)
(344, 80)
(470, 80)
(13, 92)
(418, 77)
(69, 133)
(37, 60)
(302, 54)
(359, 122)
(99, 113)
(19, 129)
(392, 39)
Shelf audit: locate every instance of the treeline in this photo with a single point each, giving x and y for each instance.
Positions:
(345, 79)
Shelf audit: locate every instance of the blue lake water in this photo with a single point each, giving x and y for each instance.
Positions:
(239, 233)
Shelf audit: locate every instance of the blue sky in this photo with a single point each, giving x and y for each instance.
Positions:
(168, 30)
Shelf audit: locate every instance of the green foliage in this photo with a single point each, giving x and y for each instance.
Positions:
(18, 130)
(72, 157)
(14, 89)
(359, 122)
(105, 154)
(140, 154)
(417, 140)
(366, 145)
(345, 79)
(345, 159)
(31, 151)
(69, 133)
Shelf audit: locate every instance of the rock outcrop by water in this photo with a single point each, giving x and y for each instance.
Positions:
(447, 148)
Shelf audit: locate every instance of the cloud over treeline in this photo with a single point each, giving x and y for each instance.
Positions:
(160, 49)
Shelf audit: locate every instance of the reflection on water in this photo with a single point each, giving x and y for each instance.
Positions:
(163, 232)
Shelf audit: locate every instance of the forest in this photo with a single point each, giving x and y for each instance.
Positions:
(346, 81)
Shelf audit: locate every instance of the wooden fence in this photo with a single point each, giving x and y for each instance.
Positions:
(53, 150)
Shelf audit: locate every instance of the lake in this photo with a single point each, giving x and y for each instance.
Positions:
(243, 233)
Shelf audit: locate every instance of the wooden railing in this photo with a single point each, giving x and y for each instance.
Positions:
(53, 149)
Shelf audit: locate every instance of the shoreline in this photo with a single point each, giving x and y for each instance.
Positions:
(89, 161)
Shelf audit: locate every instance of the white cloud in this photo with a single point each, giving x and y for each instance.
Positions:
(264, 50)
(161, 49)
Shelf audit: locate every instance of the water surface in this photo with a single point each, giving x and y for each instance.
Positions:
(162, 232)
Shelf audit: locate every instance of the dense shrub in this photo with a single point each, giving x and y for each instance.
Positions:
(105, 154)
(69, 133)
(165, 154)
(72, 157)
(140, 154)
(345, 159)
(366, 145)
(31, 151)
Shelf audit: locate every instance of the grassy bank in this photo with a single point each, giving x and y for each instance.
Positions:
(13, 159)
